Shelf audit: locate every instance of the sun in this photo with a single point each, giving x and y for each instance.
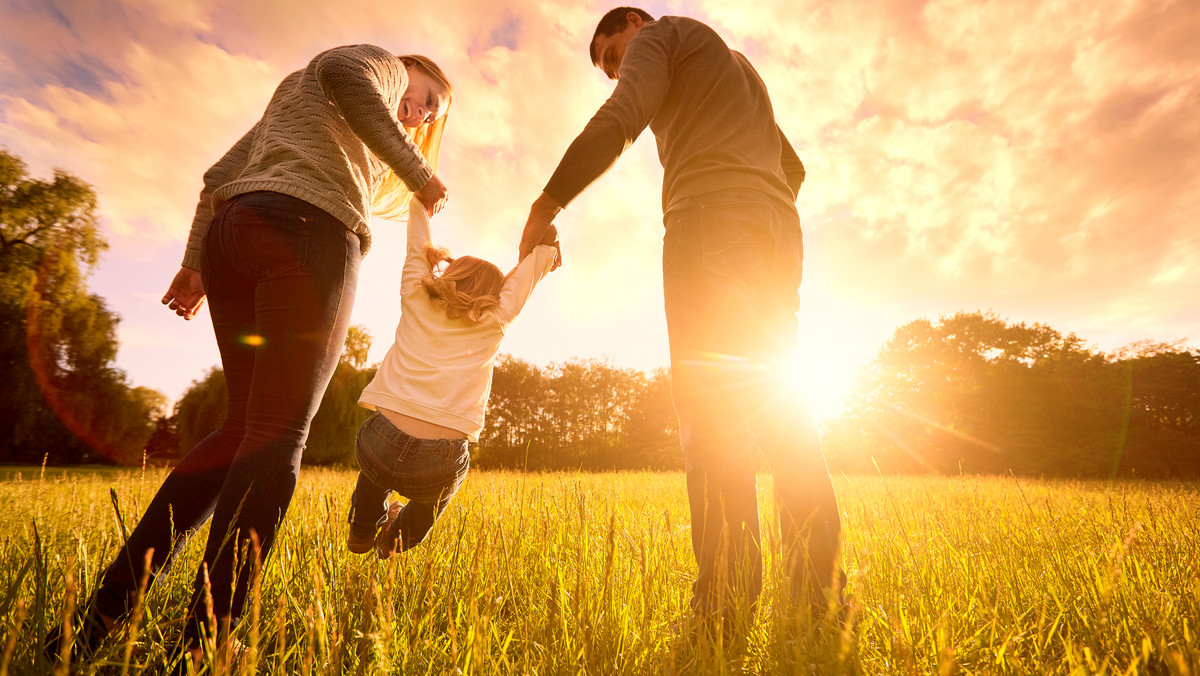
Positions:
(822, 377)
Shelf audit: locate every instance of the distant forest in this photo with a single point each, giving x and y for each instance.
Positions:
(967, 393)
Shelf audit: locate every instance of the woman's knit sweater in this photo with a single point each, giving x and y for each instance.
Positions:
(328, 137)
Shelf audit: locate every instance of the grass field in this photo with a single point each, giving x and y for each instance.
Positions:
(573, 574)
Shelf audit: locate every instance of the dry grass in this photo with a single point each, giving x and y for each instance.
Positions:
(571, 574)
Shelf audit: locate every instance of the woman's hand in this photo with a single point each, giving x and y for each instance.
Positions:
(186, 293)
(433, 195)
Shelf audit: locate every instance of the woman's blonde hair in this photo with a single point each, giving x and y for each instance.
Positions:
(466, 287)
(391, 197)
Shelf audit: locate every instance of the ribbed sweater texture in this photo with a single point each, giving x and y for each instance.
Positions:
(328, 137)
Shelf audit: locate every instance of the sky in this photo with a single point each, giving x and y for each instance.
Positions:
(1039, 159)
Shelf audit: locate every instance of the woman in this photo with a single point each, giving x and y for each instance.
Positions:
(355, 133)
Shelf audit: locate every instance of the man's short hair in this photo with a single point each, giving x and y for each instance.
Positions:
(612, 23)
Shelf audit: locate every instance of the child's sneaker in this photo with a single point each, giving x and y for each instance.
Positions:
(387, 540)
(360, 544)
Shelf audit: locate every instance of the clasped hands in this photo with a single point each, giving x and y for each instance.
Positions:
(539, 228)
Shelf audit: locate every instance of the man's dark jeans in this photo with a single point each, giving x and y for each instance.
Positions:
(280, 276)
(731, 272)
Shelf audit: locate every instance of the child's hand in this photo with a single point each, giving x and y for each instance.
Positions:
(551, 239)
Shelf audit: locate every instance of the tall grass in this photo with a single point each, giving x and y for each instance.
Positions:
(569, 574)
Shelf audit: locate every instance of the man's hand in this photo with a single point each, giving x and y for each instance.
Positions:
(540, 227)
(433, 195)
(186, 294)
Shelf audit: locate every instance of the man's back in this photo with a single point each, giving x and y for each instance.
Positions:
(708, 109)
(714, 126)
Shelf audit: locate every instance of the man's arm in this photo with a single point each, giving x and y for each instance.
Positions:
(793, 168)
(539, 226)
(641, 86)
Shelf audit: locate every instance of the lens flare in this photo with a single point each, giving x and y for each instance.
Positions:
(251, 339)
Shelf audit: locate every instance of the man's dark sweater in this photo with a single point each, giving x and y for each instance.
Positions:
(709, 112)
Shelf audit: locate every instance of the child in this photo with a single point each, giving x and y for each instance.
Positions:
(431, 390)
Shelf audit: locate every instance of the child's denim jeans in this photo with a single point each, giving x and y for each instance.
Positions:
(426, 471)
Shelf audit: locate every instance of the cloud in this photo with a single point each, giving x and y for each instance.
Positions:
(1033, 153)
(1037, 158)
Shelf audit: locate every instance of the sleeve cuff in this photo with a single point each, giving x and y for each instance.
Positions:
(418, 178)
(191, 259)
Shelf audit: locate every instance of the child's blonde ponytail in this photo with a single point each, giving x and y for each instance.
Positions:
(467, 287)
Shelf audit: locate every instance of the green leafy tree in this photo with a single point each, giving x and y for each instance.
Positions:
(163, 444)
(1162, 431)
(335, 426)
(513, 428)
(973, 393)
(581, 414)
(650, 438)
(201, 409)
(358, 346)
(63, 399)
(591, 403)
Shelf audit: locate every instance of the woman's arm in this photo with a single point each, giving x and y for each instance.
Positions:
(366, 83)
(793, 168)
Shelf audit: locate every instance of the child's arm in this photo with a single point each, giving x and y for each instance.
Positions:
(416, 265)
(526, 275)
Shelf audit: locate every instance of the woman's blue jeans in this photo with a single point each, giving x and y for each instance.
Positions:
(280, 276)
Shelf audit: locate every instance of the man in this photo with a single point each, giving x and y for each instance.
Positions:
(732, 262)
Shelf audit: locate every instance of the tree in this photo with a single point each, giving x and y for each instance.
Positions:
(201, 409)
(580, 414)
(650, 439)
(63, 400)
(358, 345)
(973, 393)
(513, 425)
(163, 444)
(590, 401)
(1163, 430)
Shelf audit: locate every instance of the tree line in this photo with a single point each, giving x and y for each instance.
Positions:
(579, 415)
(969, 393)
(973, 393)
